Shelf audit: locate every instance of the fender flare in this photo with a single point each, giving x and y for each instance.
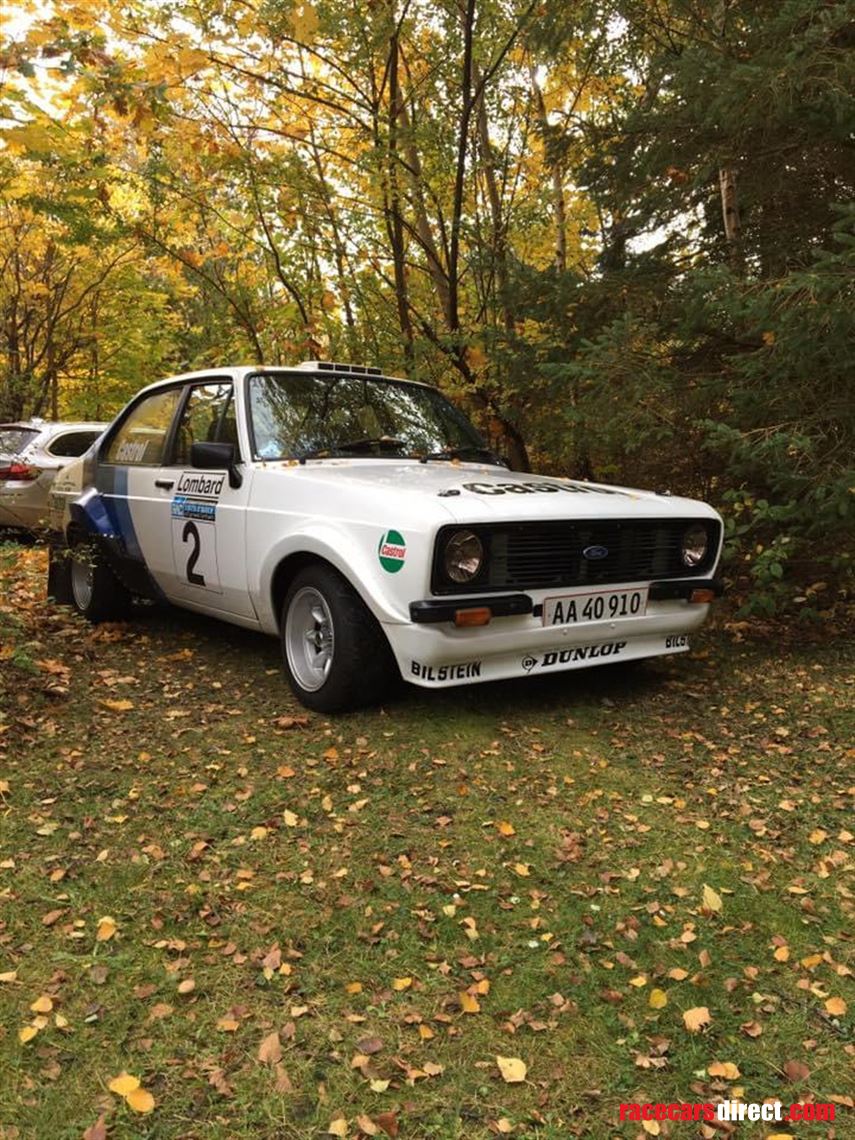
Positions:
(329, 543)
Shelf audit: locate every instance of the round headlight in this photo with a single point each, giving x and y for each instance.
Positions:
(695, 542)
(464, 556)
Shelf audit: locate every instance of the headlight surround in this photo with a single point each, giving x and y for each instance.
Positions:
(695, 544)
(463, 557)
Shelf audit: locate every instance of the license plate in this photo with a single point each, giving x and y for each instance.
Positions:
(594, 605)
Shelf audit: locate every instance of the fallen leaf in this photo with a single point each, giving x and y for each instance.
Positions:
(43, 1004)
(9, 976)
(388, 1121)
(695, 1019)
(711, 899)
(751, 1028)
(106, 929)
(369, 1045)
(469, 1004)
(27, 1033)
(658, 999)
(651, 1127)
(123, 1084)
(98, 1130)
(505, 828)
(270, 1049)
(228, 1025)
(337, 1127)
(513, 1070)
(140, 1100)
(796, 1071)
(291, 820)
(725, 1069)
(123, 705)
(187, 986)
(400, 984)
(836, 1006)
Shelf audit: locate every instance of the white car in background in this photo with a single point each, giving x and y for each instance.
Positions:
(361, 519)
(31, 453)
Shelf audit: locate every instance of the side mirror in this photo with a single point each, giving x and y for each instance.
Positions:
(216, 457)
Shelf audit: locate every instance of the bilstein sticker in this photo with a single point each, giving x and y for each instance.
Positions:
(392, 551)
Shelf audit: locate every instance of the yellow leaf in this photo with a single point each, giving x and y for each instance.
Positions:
(187, 986)
(106, 929)
(425, 1032)
(59, 1021)
(513, 1070)
(638, 981)
(291, 819)
(658, 999)
(818, 836)
(379, 1086)
(123, 1084)
(43, 1004)
(505, 828)
(228, 1025)
(695, 1019)
(354, 987)
(401, 983)
(27, 1033)
(118, 706)
(338, 1127)
(725, 1069)
(781, 954)
(836, 1006)
(9, 976)
(522, 869)
(651, 1127)
(140, 1100)
(711, 899)
(259, 833)
(469, 1004)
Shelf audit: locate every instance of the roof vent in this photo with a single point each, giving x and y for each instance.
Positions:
(335, 366)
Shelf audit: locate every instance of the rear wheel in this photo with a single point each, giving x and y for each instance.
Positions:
(336, 655)
(94, 590)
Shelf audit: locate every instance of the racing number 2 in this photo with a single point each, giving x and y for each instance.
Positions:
(191, 531)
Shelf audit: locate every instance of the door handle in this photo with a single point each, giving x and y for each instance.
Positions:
(166, 484)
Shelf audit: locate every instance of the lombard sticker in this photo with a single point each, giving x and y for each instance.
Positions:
(196, 496)
(460, 672)
(392, 551)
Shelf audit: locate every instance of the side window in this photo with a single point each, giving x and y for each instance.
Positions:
(141, 438)
(72, 443)
(208, 417)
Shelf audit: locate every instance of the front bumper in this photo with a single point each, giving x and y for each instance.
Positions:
(432, 652)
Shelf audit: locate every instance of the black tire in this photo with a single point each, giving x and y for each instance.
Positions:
(59, 575)
(361, 669)
(95, 591)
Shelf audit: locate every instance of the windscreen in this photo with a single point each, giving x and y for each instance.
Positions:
(294, 414)
(13, 439)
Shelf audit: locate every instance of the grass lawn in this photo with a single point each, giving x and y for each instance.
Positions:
(286, 926)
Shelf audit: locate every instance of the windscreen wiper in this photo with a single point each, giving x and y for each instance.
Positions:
(344, 446)
(451, 453)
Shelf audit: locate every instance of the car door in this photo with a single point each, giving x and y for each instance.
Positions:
(135, 497)
(207, 511)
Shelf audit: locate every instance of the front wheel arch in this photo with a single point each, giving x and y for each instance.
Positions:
(363, 667)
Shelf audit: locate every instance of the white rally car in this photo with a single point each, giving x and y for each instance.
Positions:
(360, 519)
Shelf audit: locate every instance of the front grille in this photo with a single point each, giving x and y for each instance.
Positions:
(532, 556)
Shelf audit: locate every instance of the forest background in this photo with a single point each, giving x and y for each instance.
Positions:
(620, 232)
